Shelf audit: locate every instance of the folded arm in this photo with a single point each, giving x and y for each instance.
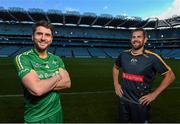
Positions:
(39, 87)
(65, 81)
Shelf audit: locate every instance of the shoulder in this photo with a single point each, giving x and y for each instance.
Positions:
(123, 55)
(158, 61)
(24, 55)
(124, 52)
(153, 55)
(55, 57)
(22, 59)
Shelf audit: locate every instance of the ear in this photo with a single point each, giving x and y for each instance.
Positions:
(145, 40)
(32, 37)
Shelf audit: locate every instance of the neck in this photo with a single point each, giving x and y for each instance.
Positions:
(137, 52)
(42, 54)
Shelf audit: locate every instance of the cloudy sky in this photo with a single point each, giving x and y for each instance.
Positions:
(140, 8)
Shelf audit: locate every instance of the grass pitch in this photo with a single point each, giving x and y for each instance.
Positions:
(91, 98)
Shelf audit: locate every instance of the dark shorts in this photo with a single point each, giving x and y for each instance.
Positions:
(55, 118)
(133, 113)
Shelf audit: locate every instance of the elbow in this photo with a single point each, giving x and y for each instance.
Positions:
(171, 76)
(36, 92)
(69, 84)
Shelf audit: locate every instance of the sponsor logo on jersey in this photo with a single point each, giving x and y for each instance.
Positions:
(47, 75)
(133, 77)
(23, 71)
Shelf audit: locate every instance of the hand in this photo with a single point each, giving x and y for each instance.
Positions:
(59, 77)
(65, 81)
(118, 90)
(146, 99)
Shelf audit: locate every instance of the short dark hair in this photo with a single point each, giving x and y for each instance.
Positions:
(44, 24)
(140, 29)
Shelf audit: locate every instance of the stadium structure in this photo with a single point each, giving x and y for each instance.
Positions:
(86, 35)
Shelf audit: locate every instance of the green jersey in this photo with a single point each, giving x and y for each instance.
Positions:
(39, 107)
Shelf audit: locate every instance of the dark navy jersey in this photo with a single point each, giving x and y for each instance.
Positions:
(138, 73)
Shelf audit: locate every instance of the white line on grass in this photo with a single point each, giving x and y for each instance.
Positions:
(80, 93)
(17, 95)
(72, 93)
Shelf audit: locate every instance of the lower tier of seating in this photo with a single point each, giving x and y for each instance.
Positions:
(84, 52)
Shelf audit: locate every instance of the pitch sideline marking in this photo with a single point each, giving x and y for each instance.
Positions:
(79, 93)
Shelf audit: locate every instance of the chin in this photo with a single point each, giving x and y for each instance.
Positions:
(41, 49)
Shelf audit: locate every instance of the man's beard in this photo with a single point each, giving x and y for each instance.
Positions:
(138, 47)
(41, 49)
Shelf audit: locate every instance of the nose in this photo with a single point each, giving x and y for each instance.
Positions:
(43, 37)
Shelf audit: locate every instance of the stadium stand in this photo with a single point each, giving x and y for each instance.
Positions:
(86, 35)
(97, 52)
(81, 52)
(63, 52)
(21, 50)
(8, 50)
(112, 52)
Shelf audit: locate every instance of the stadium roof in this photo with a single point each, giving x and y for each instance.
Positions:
(19, 15)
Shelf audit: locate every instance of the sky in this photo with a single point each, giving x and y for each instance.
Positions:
(139, 8)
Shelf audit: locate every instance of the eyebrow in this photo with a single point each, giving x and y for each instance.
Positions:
(42, 33)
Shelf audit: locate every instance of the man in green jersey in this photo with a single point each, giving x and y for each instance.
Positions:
(42, 75)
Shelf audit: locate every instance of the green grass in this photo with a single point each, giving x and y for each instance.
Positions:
(87, 75)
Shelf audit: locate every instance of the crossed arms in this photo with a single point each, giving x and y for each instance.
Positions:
(39, 87)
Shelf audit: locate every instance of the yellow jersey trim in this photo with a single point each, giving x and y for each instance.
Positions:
(147, 51)
(18, 62)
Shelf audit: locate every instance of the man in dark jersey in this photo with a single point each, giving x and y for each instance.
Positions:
(42, 75)
(138, 69)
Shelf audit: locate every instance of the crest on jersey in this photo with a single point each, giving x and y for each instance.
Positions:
(133, 61)
(47, 66)
(54, 62)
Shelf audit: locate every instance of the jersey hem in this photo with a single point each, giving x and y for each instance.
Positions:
(48, 115)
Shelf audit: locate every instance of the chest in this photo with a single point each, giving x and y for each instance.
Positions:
(136, 64)
(45, 69)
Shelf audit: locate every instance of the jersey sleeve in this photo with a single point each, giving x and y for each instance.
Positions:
(118, 61)
(23, 65)
(160, 66)
(61, 63)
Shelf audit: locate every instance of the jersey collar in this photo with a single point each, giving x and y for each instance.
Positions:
(36, 52)
(137, 54)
